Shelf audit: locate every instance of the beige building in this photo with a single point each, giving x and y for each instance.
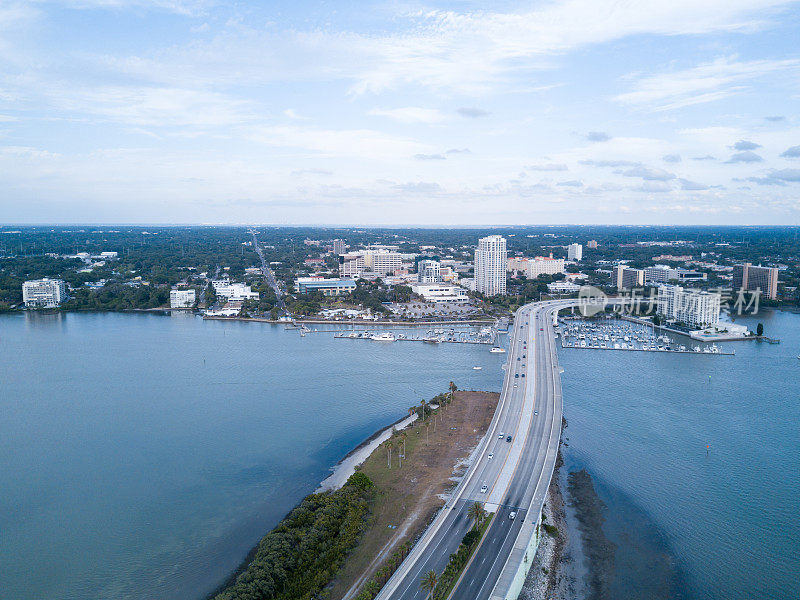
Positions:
(626, 278)
(748, 277)
(533, 267)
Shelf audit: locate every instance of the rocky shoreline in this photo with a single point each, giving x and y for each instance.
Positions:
(575, 559)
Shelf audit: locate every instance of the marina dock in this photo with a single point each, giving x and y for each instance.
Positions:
(627, 336)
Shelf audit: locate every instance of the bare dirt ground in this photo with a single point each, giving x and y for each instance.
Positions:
(409, 495)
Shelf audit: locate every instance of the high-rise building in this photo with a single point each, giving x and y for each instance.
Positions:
(574, 252)
(591, 244)
(694, 307)
(491, 259)
(181, 298)
(339, 247)
(748, 277)
(429, 271)
(626, 278)
(43, 293)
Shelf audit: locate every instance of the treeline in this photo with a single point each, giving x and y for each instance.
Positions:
(297, 559)
(117, 296)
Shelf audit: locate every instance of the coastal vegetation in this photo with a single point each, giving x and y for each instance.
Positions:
(444, 584)
(298, 558)
(408, 494)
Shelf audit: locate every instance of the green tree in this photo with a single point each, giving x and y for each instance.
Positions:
(760, 329)
(476, 512)
(428, 583)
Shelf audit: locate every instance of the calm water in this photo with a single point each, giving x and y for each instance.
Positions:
(724, 526)
(141, 456)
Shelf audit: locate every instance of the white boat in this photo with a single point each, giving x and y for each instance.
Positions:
(476, 368)
(432, 340)
(383, 337)
(497, 350)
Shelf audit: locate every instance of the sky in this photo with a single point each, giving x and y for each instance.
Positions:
(400, 113)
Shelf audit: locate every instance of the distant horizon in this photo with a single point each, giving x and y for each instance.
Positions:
(403, 226)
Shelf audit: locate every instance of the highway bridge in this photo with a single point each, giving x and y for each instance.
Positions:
(514, 474)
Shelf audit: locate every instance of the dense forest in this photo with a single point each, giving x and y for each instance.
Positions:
(297, 559)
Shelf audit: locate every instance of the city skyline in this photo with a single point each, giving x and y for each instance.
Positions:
(449, 113)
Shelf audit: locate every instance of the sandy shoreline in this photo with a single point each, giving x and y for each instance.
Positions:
(347, 466)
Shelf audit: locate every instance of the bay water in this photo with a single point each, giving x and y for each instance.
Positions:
(142, 455)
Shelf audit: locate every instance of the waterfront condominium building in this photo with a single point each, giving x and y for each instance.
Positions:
(748, 277)
(429, 271)
(181, 298)
(626, 278)
(491, 259)
(694, 307)
(43, 293)
(574, 252)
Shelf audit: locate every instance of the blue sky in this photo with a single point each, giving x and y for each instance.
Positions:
(435, 113)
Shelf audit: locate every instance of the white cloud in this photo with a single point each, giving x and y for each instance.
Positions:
(704, 83)
(410, 114)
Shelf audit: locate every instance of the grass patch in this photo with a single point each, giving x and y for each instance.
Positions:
(408, 496)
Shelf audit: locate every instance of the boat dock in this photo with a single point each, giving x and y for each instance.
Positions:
(627, 336)
(486, 336)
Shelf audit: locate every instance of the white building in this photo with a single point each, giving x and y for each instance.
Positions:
(181, 298)
(233, 292)
(563, 287)
(377, 261)
(574, 252)
(437, 292)
(491, 259)
(533, 267)
(43, 293)
(339, 247)
(429, 271)
(665, 273)
(694, 307)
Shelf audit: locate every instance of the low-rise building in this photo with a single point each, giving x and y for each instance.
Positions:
(665, 273)
(43, 293)
(235, 292)
(328, 287)
(533, 267)
(377, 261)
(437, 292)
(182, 298)
(591, 244)
(563, 287)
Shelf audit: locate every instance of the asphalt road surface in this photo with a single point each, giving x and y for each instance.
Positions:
(517, 471)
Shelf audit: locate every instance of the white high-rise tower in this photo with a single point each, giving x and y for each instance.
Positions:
(491, 258)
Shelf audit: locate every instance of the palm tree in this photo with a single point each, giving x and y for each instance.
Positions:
(428, 583)
(453, 388)
(476, 512)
